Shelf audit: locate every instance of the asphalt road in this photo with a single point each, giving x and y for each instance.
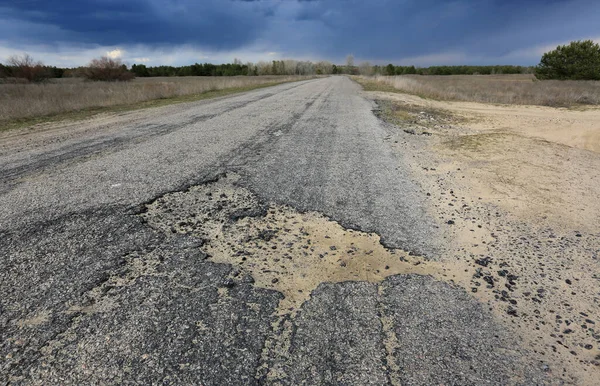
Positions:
(92, 293)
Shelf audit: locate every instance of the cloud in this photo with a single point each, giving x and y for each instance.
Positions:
(424, 31)
(115, 54)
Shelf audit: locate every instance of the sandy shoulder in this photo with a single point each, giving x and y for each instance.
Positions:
(517, 189)
(576, 128)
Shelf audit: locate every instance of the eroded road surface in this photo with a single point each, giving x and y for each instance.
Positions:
(274, 237)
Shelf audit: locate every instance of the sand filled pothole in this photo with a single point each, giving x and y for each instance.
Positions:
(278, 247)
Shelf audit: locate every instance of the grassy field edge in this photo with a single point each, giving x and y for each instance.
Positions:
(82, 114)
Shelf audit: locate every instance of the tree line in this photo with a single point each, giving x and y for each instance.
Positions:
(578, 60)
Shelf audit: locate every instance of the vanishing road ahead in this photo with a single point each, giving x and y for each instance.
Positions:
(96, 289)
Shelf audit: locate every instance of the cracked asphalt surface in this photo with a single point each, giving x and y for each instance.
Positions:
(92, 293)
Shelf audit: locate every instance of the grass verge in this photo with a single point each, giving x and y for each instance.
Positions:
(85, 113)
(491, 89)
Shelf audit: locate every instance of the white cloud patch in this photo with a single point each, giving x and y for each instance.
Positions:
(115, 54)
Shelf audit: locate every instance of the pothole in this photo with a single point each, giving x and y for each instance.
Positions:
(280, 248)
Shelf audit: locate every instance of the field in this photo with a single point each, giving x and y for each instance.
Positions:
(503, 89)
(63, 96)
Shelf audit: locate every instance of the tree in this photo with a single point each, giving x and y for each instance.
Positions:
(390, 69)
(350, 64)
(579, 60)
(140, 70)
(4, 71)
(350, 60)
(107, 69)
(25, 67)
(323, 67)
(410, 70)
(365, 69)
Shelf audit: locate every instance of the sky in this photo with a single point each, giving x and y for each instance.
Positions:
(70, 33)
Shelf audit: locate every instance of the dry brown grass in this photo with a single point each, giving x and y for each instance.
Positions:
(19, 101)
(505, 89)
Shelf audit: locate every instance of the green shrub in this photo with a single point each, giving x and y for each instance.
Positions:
(578, 60)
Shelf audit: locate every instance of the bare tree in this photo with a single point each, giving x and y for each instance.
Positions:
(324, 67)
(349, 63)
(252, 70)
(107, 69)
(366, 69)
(24, 66)
(264, 68)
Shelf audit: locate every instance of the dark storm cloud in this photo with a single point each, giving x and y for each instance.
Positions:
(374, 29)
(109, 22)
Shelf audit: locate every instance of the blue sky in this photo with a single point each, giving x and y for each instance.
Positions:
(175, 32)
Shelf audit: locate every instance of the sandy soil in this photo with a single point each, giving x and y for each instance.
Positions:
(575, 128)
(520, 186)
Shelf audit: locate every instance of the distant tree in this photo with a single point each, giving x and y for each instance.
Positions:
(323, 67)
(334, 69)
(365, 69)
(107, 69)
(410, 70)
(350, 63)
(25, 67)
(140, 70)
(390, 69)
(579, 60)
(4, 71)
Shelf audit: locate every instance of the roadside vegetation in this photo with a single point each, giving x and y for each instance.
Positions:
(567, 76)
(578, 60)
(503, 89)
(55, 99)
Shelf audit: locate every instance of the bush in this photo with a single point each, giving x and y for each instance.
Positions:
(25, 67)
(4, 71)
(107, 69)
(578, 60)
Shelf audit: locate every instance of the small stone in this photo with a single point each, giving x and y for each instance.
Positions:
(484, 262)
(511, 311)
(450, 222)
(568, 281)
(228, 283)
(275, 280)
(248, 279)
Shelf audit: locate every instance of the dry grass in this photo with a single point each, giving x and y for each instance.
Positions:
(19, 101)
(505, 89)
